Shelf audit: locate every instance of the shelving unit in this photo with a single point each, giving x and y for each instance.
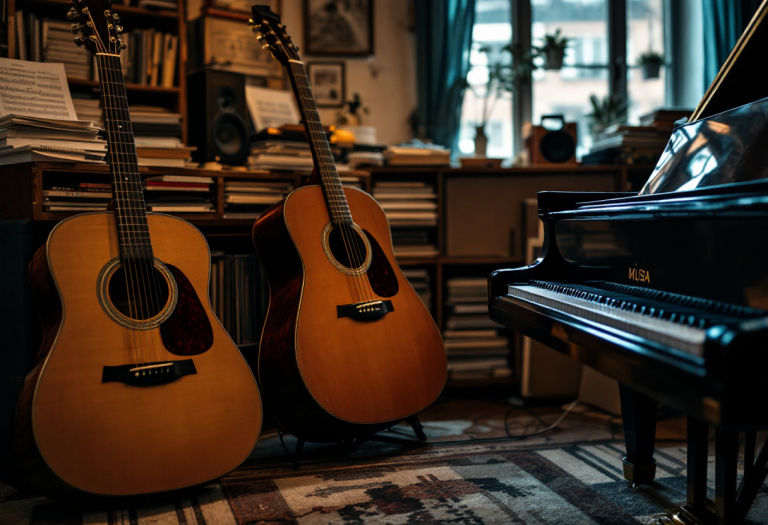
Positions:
(174, 98)
(505, 190)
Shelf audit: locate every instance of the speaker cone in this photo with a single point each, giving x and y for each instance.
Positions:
(230, 138)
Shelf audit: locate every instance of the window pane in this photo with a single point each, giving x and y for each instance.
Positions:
(585, 71)
(645, 32)
(493, 29)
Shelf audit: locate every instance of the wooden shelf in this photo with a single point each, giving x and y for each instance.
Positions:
(129, 87)
(122, 10)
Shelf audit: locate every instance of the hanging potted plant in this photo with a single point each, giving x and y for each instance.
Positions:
(553, 50)
(605, 112)
(651, 63)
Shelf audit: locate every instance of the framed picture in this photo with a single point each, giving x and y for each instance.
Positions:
(338, 27)
(328, 82)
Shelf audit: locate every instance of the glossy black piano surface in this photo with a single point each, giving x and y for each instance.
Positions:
(667, 292)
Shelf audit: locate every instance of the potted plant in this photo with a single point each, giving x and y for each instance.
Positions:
(553, 50)
(651, 63)
(605, 112)
(501, 80)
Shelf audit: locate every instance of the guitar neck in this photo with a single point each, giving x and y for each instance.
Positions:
(318, 144)
(130, 209)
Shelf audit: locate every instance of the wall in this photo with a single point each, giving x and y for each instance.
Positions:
(386, 81)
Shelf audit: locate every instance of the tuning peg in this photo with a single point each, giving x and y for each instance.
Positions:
(79, 42)
(122, 46)
(260, 37)
(116, 17)
(265, 46)
(120, 29)
(72, 14)
(251, 22)
(75, 28)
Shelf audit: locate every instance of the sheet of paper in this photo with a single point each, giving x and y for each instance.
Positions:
(35, 89)
(271, 108)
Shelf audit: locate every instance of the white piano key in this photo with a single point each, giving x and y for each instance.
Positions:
(677, 336)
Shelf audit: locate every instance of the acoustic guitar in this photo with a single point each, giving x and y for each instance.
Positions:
(138, 389)
(347, 347)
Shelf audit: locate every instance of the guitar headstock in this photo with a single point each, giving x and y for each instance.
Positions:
(99, 25)
(273, 35)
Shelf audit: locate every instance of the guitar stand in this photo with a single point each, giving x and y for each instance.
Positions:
(297, 454)
(417, 428)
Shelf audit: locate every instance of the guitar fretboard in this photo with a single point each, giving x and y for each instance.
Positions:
(318, 143)
(130, 209)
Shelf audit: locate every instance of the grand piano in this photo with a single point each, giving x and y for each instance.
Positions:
(666, 291)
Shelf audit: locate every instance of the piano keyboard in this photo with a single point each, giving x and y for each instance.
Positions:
(680, 327)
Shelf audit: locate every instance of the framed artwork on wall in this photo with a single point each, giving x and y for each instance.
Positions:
(328, 82)
(338, 27)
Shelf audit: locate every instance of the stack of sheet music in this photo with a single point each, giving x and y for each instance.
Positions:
(411, 207)
(75, 196)
(420, 280)
(29, 139)
(249, 199)
(239, 295)
(475, 348)
(417, 155)
(283, 152)
(89, 109)
(179, 194)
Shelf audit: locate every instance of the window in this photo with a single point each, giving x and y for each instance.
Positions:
(587, 69)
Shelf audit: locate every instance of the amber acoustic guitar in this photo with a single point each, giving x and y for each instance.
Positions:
(138, 389)
(348, 346)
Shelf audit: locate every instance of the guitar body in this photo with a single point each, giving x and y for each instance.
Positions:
(80, 433)
(326, 377)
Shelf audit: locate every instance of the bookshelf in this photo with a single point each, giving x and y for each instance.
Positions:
(131, 17)
(472, 202)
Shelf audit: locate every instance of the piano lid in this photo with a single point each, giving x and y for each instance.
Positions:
(722, 145)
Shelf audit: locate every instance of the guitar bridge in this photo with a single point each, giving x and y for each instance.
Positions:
(148, 374)
(365, 311)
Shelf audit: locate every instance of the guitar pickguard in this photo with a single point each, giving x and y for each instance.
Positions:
(380, 273)
(188, 330)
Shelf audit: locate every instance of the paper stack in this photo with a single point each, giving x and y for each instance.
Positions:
(30, 139)
(411, 207)
(76, 196)
(475, 348)
(249, 199)
(286, 151)
(179, 194)
(89, 109)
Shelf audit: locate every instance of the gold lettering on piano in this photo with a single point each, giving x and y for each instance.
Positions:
(636, 274)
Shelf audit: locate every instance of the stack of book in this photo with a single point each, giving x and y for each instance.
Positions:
(77, 196)
(287, 152)
(420, 280)
(48, 40)
(249, 199)
(179, 194)
(643, 144)
(411, 208)
(155, 121)
(30, 139)
(239, 295)
(475, 348)
(424, 155)
(150, 58)
(88, 109)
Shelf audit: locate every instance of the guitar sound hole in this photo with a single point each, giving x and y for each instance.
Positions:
(139, 294)
(345, 243)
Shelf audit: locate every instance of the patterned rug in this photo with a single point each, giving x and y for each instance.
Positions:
(546, 480)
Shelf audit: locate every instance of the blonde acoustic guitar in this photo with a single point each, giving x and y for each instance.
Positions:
(348, 347)
(138, 389)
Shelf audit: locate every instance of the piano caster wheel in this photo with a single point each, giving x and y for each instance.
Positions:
(632, 485)
(680, 516)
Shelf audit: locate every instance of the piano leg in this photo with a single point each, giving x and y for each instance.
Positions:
(698, 445)
(639, 414)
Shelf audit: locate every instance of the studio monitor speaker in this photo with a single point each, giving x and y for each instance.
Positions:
(551, 144)
(219, 125)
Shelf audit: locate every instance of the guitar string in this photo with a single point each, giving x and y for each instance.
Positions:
(117, 181)
(315, 144)
(357, 256)
(356, 241)
(155, 291)
(144, 261)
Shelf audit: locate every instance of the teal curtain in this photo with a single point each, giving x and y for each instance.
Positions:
(443, 42)
(724, 22)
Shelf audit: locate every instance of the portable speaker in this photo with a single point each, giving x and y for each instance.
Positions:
(551, 146)
(219, 125)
